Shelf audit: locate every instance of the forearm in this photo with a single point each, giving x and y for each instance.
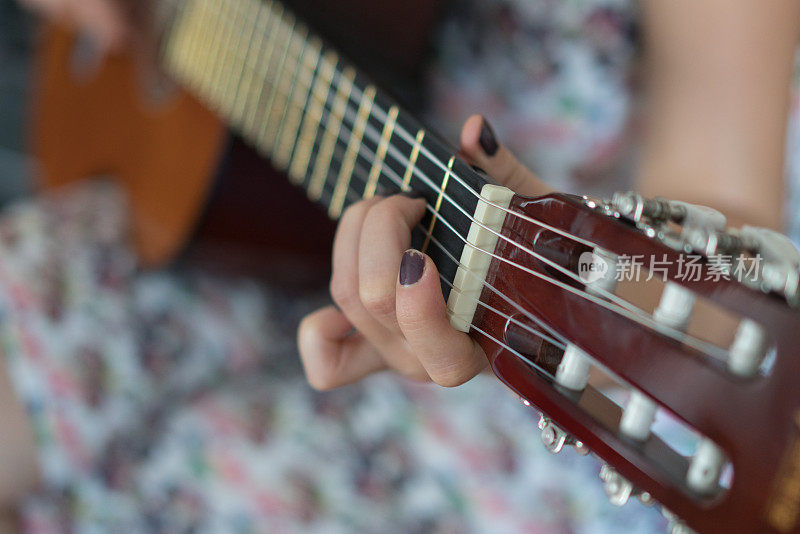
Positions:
(718, 88)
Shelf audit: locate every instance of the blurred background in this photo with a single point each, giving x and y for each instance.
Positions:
(15, 50)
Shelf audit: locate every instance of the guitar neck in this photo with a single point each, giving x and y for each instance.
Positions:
(316, 117)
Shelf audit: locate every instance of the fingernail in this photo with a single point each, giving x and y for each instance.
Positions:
(411, 267)
(478, 169)
(487, 139)
(411, 194)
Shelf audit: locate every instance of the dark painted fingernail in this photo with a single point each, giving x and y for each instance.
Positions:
(478, 169)
(487, 139)
(411, 267)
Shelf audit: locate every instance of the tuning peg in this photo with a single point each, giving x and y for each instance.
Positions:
(598, 270)
(705, 467)
(553, 437)
(645, 498)
(573, 370)
(658, 210)
(618, 489)
(638, 416)
(581, 448)
(748, 349)
(773, 246)
(675, 307)
(675, 526)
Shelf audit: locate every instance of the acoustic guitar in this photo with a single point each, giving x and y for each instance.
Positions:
(541, 283)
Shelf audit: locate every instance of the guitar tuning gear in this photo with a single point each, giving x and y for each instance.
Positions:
(618, 489)
(705, 467)
(581, 448)
(638, 416)
(675, 526)
(573, 371)
(645, 498)
(748, 349)
(636, 208)
(553, 437)
(773, 247)
(657, 211)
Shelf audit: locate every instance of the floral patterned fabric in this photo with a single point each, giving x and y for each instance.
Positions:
(555, 77)
(172, 402)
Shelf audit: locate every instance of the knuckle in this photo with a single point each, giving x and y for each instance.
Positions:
(355, 211)
(343, 292)
(380, 214)
(376, 300)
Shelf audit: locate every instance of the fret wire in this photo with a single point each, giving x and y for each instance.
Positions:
(228, 59)
(251, 12)
(348, 163)
(253, 114)
(271, 72)
(247, 90)
(438, 205)
(294, 114)
(313, 117)
(263, 137)
(412, 160)
(300, 37)
(197, 63)
(216, 49)
(380, 155)
(330, 133)
(439, 163)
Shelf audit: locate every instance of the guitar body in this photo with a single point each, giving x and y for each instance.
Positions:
(95, 121)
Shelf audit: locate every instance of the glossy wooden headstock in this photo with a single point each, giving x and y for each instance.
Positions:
(754, 420)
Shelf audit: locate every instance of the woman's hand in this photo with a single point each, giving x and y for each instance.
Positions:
(391, 313)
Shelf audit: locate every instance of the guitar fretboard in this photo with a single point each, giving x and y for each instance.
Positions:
(317, 118)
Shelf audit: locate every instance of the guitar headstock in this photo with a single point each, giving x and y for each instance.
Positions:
(576, 308)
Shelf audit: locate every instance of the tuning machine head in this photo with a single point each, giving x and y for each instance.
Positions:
(554, 438)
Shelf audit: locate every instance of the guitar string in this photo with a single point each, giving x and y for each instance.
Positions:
(504, 345)
(375, 136)
(608, 295)
(698, 344)
(393, 151)
(362, 173)
(622, 304)
(358, 93)
(631, 313)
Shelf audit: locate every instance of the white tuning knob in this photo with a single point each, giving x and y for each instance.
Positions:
(705, 467)
(773, 246)
(573, 371)
(748, 349)
(600, 271)
(700, 217)
(638, 416)
(675, 307)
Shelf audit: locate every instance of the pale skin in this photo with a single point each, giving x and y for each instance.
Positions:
(718, 79)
